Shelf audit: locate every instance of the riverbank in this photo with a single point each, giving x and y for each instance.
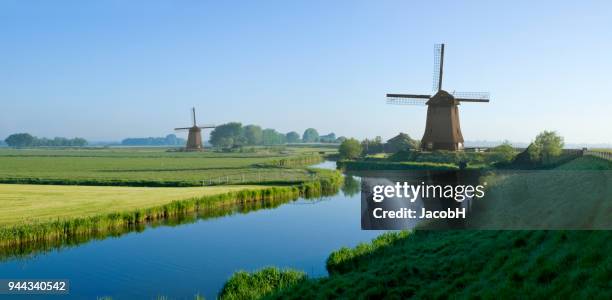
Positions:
(467, 264)
(461, 263)
(62, 220)
(424, 160)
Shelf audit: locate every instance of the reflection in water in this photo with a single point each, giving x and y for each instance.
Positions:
(352, 185)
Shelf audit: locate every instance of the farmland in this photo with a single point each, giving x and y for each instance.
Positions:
(23, 203)
(156, 166)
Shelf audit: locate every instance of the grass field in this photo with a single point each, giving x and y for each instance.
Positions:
(22, 204)
(101, 190)
(155, 166)
(575, 195)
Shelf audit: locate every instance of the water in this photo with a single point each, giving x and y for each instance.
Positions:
(197, 258)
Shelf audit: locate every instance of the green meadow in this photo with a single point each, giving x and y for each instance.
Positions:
(26, 203)
(157, 166)
(53, 194)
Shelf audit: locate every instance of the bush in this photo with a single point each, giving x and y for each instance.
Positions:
(547, 146)
(504, 153)
(350, 149)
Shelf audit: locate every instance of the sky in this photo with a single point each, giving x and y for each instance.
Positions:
(107, 70)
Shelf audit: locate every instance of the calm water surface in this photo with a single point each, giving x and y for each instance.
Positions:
(197, 258)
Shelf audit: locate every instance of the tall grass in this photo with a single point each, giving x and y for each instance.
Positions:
(244, 285)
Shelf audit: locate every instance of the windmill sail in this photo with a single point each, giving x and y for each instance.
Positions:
(438, 67)
(407, 99)
(472, 96)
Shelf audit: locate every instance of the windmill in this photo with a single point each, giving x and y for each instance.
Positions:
(442, 130)
(194, 139)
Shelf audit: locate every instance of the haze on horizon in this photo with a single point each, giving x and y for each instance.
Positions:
(109, 70)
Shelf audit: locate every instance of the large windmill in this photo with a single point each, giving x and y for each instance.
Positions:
(442, 130)
(194, 139)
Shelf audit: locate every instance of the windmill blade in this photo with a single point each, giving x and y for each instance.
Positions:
(407, 99)
(193, 116)
(207, 126)
(471, 96)
(438, 67)
(182, 128)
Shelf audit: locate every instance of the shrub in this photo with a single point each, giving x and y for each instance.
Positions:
(350, 149)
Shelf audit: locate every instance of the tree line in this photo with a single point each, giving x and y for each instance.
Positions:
(233, 134)
(352, 148)
(169, 140)
(27, 140)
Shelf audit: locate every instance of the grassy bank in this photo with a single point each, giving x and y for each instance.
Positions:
(385, 165)
(423, 160)
(482, 263)
(155, 167)
(66, 215)
(467, 264)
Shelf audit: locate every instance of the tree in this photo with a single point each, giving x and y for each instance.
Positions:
(372, 146)
(27, 140)
(227, 135)
(400, 142)
(292, 137)
(80, 142)
(350, 149)
(328, 138)
(547, 146)
(340, 139)
(253, 135)
(20, 140)
(505, 152)
(171, 139)
(271, 137)
(310, 136)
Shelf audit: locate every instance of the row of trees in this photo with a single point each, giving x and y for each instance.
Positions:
(234, 135)
(352, 148)
(169, 140)
(544, 150)
(27, 140)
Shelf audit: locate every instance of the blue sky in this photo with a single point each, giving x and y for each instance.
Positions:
(105, 70)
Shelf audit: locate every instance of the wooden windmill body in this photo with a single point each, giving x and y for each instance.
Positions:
(194, 138)
(442, 129)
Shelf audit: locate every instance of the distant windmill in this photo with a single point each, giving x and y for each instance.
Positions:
(442, 130)
(194, 140)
